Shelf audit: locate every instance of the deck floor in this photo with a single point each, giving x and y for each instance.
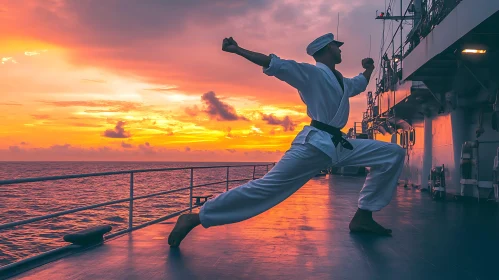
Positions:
(307, 237)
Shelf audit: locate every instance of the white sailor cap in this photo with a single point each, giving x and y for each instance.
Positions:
(321, 42)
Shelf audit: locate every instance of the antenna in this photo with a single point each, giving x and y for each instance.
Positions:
(337, 28)
(369, 45)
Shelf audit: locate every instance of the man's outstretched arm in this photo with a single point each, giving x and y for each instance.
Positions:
(257, 58)
(229, 45)
(295, 74)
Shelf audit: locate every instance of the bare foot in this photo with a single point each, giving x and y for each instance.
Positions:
(185, 223)
(363, 222)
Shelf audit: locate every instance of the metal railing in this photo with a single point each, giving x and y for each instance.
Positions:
(131, 197)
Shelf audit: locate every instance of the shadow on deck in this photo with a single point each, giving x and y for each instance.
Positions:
(307, 237)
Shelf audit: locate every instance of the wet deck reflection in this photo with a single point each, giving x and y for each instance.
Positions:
(307, 237)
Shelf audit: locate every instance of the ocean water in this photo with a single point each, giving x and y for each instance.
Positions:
(28, 200)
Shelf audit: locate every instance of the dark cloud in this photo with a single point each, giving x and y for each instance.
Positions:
(187, 149)
(106, 20)
(147, 148)
(286, 123)
(230, 150)
(24, 143)
(15, 149)
(215, 108)
(126, 145)
(118, 131)
(60, 147)
(101, 24)
(288, 13)
(146, 145)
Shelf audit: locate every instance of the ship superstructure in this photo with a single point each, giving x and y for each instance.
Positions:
(437, 94)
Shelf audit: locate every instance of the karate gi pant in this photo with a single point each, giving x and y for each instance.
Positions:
(300, 164)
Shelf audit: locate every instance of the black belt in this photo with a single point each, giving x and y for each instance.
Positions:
(336, 132)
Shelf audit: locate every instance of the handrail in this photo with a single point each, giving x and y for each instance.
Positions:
(74, 176)
(131, 197)
(57, 214)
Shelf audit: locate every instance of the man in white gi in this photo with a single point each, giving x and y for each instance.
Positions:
(325, 92)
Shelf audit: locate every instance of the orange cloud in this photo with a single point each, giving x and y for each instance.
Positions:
(111, 106)
(41, 117)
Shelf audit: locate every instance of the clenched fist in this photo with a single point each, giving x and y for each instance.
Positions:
(368, 63)
(229, 45)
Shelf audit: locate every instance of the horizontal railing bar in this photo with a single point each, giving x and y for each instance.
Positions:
(57, 214)
(240, 180)
(209, 184)
(52, 178)
(150, 222)
(186, 188)
(159, 193)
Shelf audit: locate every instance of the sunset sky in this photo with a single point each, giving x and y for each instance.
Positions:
(147, 80)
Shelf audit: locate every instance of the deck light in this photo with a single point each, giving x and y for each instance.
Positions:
(474, 51)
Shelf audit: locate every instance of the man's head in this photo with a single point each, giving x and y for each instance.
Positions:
(330, 54)
(325, 49)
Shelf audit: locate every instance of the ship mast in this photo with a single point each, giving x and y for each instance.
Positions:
(390, 68)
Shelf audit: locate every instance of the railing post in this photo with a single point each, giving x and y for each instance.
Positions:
(227, 181)
(190, 190)
(130, 207)
(267, 168)
(254, 169)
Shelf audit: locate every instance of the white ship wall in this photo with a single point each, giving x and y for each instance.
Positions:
(413, 170)
(487, 151)
(438, 142)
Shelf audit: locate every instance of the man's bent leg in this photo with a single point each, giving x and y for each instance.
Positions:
(298, 165)
(386, 162)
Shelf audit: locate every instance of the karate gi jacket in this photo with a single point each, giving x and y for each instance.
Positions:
(321, 92)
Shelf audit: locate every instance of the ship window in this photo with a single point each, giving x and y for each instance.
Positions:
(402, 139)
(412, 137)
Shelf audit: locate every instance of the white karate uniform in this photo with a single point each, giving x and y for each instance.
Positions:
(312, 150)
